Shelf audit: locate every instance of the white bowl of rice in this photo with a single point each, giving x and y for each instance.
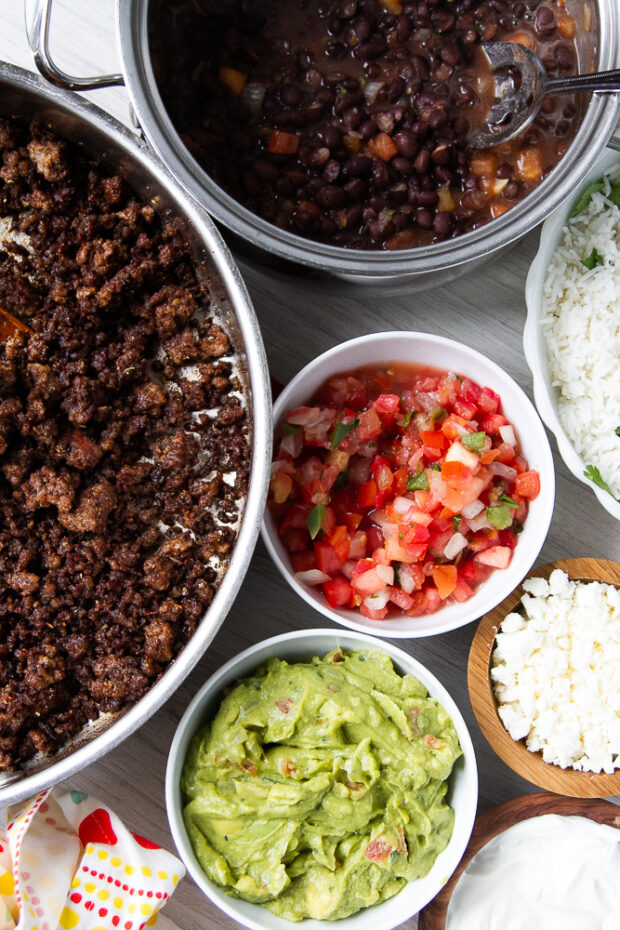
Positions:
(572, 333)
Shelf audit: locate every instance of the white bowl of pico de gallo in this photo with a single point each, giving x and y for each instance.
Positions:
(412, 486)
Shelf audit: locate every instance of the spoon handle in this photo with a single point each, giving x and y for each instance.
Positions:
(605, 82)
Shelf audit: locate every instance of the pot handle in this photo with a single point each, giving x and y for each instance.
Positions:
(39, 40)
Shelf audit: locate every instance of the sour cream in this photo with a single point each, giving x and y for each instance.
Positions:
(560, 873)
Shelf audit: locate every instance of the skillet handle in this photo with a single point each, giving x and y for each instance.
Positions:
(39, 40)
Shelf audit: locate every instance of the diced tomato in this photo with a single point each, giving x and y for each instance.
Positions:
(373, 614)
(341, 542)
(505, 453)
(295, 540)
(357, 549)
(495, 556)
(488, 401)
(369, 426)
(368, 583)
(435, 439)
(402, 600)
(386, 405)
(367, 495)
(445, 577)
(399, 483)
(456, 475)
(462, 591)
(303, 561)
(328, 523)
(338, 592)
(465, 409)
(326, 557)
(283, 143)
(507, 538)
(469, 391)
(295, 517)
(527, 485)
(492, 422)
(455, 425)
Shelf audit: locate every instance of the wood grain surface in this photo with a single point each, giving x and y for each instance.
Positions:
(528, 764)
(485, 309)
(495, 821)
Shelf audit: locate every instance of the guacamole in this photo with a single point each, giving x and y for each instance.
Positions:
(318, 789)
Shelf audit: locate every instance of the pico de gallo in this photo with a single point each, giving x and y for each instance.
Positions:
(399, 488)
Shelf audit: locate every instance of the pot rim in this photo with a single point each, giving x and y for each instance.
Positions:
(17, 786)
(596, 128)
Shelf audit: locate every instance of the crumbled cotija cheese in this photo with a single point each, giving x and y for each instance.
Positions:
(556, 672)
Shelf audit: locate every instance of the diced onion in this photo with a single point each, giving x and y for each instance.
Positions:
(312, 576)
(252, 95)
(347, 568)
(401, 505)
(371, 89)
(503, 471)
(406, 579)
(473, 509)
(454, 545)
(377, 601)
(508, 434)
(292, 444)
(386, 573)
(480, 522)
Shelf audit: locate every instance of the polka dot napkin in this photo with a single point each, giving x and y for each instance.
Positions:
(68, 863)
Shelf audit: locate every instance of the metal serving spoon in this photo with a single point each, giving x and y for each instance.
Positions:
(517, 103)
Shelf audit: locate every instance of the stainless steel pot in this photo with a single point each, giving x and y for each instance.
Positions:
(23, 94)
(598, 39)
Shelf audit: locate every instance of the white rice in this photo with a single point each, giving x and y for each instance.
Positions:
(581, 326)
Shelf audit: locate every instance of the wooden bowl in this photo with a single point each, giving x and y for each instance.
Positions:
(497, 819)
(530, 765)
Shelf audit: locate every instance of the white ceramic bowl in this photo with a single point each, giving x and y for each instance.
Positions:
(302, 645)
(545, 394)
(436, 352)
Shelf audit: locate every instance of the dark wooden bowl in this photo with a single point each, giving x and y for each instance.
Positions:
(530, 765)
(496, 820)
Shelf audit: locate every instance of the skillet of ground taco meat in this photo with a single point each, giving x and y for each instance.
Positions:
(124, 452)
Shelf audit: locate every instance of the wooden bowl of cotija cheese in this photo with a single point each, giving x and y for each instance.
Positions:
(544, 678)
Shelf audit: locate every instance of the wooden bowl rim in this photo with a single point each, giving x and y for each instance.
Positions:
(516, 755)
(496, 820)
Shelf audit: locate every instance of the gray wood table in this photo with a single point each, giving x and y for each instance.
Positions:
(485, 309)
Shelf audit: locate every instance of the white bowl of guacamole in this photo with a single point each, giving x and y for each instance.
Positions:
(321, 776)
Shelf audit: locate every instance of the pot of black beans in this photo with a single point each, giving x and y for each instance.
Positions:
(330, 137)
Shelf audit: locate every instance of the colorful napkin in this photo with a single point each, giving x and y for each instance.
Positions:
(68, 863)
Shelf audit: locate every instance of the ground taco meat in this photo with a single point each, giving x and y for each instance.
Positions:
(121, 477)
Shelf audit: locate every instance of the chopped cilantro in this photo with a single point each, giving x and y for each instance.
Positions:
(594, 258)
(504, 499)
(517, 527)
(617, 430)
(474, 441)
(289, 429)
(341, 431)
(594, 475)
(406, 420)
(614, 194)
(314, 519)
(586, 196)
(417, 482)
(435, 466)
(456, 522)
